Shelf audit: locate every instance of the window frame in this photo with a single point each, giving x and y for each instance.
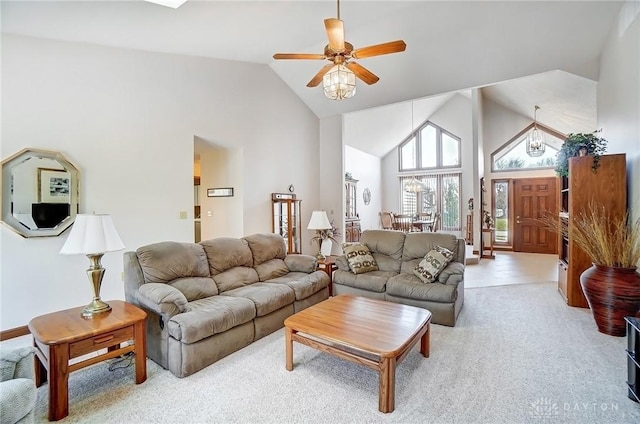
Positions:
(518, 139)
(418, 203)
(417, 136)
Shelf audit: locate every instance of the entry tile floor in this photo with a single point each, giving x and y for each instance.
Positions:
(511, 268)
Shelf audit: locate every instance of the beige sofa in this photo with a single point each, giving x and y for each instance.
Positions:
(397, 255)
(206, 300)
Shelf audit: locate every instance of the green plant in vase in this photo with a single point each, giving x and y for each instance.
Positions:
(580, 144)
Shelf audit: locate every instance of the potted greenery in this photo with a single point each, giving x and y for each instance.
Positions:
(580, 144)
(612, 243)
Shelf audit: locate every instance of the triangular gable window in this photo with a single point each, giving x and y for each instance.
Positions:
(513, 154)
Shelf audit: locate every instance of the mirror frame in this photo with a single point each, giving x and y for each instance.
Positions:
(12, 222)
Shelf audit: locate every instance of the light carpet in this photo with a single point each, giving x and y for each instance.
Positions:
(517, 355)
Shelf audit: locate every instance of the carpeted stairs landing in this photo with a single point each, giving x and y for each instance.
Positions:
(517, 355)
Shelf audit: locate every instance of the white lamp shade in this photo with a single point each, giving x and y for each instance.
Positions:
(92, 234)
(319, 221)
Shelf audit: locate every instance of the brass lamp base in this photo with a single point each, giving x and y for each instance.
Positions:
(96, 307)
(95, 273)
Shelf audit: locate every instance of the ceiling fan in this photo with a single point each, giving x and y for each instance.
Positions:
(341, 54)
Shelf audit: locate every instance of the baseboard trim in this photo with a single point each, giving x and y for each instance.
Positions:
(14, 332)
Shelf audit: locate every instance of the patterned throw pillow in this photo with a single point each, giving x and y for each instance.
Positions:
(433, 263)
(359, 257)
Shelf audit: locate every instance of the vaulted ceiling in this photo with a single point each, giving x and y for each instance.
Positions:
(510, 47)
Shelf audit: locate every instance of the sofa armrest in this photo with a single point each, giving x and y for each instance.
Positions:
(452, 274)
(162, 299)
(18, 400)
(301, 263)
(342, 263)
(17, 363)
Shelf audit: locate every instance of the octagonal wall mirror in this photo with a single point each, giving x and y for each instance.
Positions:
(39, 193)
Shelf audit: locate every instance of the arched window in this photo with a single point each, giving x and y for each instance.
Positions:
(512, 155)
(430, 154)
(429, 147)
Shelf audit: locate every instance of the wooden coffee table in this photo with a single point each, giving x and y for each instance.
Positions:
(358, 329)
(62, 336)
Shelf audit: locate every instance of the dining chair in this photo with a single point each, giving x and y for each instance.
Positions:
(426, 220)
(436, 222)
(386, 219)
(404, 222)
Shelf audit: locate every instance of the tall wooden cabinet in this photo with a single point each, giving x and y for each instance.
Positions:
(287, 220)
(352, 219)
(607, 187)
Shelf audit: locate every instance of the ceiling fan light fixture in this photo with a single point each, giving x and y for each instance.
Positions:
(535, 140)
(339, 83)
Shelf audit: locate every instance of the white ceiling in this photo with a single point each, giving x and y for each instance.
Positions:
(451, 45)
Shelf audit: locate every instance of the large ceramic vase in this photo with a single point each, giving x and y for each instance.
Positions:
(612, 293)
(326, 246)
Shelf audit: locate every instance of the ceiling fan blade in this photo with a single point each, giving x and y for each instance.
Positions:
(363, 73)
(379, 49)
(318, 78)
(299, 56)
(335, 34)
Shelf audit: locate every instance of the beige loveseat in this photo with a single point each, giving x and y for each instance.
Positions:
(206, 300)
(397, 255)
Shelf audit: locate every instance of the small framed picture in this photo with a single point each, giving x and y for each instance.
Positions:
(220, 192)
(54, 185)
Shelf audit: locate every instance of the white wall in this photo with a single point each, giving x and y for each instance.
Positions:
(366, 169)
(219, 215)
(619, 96)
(331, 178)
(127, 119)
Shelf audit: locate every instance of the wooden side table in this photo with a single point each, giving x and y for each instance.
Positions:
(328, 264)
(65, 335)
(485, 247)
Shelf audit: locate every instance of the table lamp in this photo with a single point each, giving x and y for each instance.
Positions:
(319, 222)
(93, 235)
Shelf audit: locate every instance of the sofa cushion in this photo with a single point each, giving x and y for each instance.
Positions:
(272, 268)
(267, 297)
(225, 253)
(303, 285)
(265, 247)
(374, 281)
(359, 257)
(433, 263)
(409, 286)
(386, 248)
(195, 288)
(168, 260)
(234, 278)
(209, 316)
(417, 245)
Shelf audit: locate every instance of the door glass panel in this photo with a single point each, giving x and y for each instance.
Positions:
(501, 211)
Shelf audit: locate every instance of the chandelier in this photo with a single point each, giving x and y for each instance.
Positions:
(339, 83)
(535, 139)
(414, 185)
